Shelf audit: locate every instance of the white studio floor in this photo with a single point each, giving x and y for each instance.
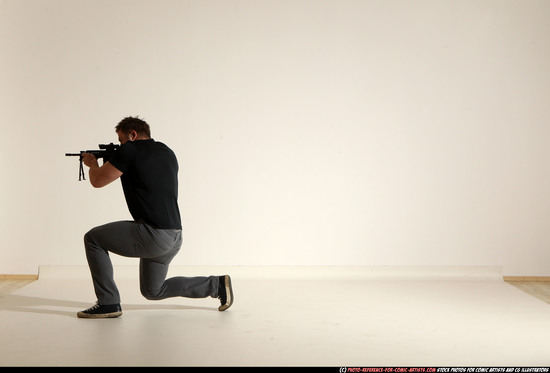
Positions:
(284, 316)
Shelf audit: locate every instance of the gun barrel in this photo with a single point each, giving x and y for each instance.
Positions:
(105, 152)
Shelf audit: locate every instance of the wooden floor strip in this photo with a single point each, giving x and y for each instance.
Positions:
(18, 277)
(526, 278)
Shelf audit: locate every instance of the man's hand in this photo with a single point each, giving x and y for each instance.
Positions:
(89, 160)
(100, 176)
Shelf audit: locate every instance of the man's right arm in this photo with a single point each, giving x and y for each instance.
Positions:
(100, 176)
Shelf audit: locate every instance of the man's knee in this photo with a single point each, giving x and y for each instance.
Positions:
(151, 294)
(89, 238)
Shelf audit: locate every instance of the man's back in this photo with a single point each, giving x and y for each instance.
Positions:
(150, 182)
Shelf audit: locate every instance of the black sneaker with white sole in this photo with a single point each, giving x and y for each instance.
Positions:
(225, 293)
(101, 312)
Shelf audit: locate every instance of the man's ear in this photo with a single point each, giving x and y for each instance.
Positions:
(133, 135)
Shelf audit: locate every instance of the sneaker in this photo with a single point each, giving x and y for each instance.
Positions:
(101, 312)
(225, 293)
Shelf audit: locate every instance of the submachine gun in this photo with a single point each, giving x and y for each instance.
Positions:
(105, 152)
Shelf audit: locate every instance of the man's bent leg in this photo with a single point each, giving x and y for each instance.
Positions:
(118, 237)
(156, 248)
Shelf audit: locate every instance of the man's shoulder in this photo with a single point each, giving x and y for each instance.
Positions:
(147, 143)
(146, 146)
(163, 146)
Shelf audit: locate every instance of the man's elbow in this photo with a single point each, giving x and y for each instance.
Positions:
(99, 177)
(98, 181)
(97, 184)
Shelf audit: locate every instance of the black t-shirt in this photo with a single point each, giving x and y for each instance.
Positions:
(150, 182)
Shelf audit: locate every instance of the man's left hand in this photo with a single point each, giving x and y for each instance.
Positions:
(89, 160)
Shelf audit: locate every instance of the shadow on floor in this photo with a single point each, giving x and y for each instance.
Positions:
(22, 303)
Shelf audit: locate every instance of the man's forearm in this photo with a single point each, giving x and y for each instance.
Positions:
(93, 174)
(101, 176)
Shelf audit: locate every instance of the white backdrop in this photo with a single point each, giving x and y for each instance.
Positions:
(309, 132)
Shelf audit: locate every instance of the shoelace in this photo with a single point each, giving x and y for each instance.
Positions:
(93, 307)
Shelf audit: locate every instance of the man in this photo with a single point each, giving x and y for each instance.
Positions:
(148, 171)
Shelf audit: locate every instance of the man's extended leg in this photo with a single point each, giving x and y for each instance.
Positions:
(155, 286)
(156, 248)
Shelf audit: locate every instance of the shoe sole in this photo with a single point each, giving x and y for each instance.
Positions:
(110, 315)
(229, 292)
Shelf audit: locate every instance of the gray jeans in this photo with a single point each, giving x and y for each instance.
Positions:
(155, 247)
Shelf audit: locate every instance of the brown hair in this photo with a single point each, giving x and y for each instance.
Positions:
(130, 124)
